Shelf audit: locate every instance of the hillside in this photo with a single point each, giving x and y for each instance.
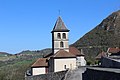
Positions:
(33, 54)
(13, 67)
(4, 54)
(106, 34)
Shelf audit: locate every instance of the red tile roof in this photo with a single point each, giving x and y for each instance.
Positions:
(75, 51)
(72, 50)
(48, 55)
(113, 50)
(41, 62)
(63, 53)
(102, 54)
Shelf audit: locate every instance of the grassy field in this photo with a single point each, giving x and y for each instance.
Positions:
(15, 71)
(4, 58)
(13, 67)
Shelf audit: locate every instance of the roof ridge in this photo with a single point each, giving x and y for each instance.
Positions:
(61, 51)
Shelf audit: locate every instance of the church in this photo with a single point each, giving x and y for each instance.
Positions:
(63, 56)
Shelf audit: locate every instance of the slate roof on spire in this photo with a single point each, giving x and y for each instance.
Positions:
(59, 25)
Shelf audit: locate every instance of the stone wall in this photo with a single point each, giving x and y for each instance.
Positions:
(50, 76)
(92, 74)
(109, 63)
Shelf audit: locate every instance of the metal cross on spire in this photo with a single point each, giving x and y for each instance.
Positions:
(59, 12)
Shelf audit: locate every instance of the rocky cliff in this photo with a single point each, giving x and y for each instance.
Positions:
(104, 35)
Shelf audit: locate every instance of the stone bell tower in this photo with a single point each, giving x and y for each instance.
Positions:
(60, 38)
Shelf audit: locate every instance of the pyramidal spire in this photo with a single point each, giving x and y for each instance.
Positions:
(59, 25)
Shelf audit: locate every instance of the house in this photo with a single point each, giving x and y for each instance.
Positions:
(113, 51)
(100, 55)
(113, 58)
(40, 66)
(110, 52)
(80, 61)
(63, 56)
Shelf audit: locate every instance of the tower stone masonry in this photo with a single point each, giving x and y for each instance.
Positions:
(60, 38)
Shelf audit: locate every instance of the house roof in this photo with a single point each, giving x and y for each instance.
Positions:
(62, 53)
(41, 62)
(100, 55)
(59, 25)
(113, 50)
(75, 51)
(48, 55)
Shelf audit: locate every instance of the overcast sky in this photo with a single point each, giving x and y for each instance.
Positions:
(26, 24)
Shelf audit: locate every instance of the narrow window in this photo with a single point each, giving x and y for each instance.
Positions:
(58, 36)
(70, 66)
(65, 67)
(61, 44)
(64, 36)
